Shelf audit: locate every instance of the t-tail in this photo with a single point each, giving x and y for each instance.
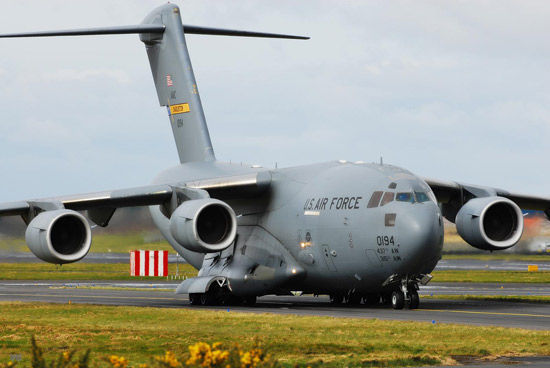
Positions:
(163, 34)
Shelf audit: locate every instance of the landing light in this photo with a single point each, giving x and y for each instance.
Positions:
(305, 244)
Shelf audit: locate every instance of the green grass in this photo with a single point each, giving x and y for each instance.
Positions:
(101, 243)
(543, 257)
(491, 276)
(500, 298)
(139, 333)
(80, 271)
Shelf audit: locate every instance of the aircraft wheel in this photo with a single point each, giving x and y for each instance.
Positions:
(386, 299)
(414, 299)
(336, 299)
(209, 298)
(195, 299)
(353, 299)
(397, 299)
(249, 300)
(230, 299)
(371, 299)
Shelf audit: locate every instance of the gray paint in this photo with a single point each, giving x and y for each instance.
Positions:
(175, 84)
(304, 228)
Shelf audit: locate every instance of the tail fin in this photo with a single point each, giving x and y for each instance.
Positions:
(162, 32)
(176, 85)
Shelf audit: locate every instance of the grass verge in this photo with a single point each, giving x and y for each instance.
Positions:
(491, 276)
(101, 243)
(81, 271)
(139, 333)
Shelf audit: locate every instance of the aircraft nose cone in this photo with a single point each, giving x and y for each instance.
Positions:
(420, 232)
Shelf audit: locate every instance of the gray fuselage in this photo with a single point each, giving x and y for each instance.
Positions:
(321, 223)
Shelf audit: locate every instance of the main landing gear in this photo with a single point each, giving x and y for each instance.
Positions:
(403, 293)
(217, 295)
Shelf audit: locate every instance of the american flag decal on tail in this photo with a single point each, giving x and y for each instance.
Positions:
(149, 263)
(169, 82)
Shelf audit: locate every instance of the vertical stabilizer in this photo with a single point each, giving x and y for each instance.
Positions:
(176, 85)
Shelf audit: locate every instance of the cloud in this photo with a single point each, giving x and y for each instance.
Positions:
(69, 75)
(45, 133)
(453, 90)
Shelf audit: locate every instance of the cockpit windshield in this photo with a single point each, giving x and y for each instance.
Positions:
(404, 197)
(416, 197)
(421, 197)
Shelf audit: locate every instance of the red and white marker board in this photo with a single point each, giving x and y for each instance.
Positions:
(149, 263)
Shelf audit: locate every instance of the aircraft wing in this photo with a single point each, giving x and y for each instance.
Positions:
(455, 194)
(101, 205)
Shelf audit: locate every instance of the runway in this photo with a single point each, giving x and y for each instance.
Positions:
(504, 314)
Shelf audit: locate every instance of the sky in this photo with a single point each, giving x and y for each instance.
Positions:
(454, 90)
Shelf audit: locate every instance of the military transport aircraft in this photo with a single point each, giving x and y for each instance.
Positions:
(361, 233)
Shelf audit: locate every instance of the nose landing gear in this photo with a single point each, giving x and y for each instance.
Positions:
(405, 293)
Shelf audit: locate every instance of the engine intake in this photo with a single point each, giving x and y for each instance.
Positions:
(204, 225)
(60, 236)
(490, 223)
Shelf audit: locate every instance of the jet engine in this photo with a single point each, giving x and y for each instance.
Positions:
(60, 236)
(490, 223)
(204, 225)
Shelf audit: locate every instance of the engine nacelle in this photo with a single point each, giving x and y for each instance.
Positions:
(490, 223)
(60, 236)
(204, 225)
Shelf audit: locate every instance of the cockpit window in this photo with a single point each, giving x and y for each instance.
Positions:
(387, 198)
(421, 197)
(405, 197)
(374, 199)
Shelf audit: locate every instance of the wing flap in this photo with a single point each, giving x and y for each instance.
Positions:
(101, 205)
(14, 208)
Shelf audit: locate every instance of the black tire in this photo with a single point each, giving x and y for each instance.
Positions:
(397, 299)
(354, 299)
(371, 299)
(231, 300)
(249, 300)
(210, 298)
(414, 299)
(336, 299)
(386, 299)
(195, 299)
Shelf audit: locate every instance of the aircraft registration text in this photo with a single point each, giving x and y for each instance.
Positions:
(179, 109)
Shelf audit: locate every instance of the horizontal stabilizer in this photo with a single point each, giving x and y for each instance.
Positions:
(187, 29)
(137, 29)
(149, 28)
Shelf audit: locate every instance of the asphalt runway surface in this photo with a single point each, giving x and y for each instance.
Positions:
(491, 313)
